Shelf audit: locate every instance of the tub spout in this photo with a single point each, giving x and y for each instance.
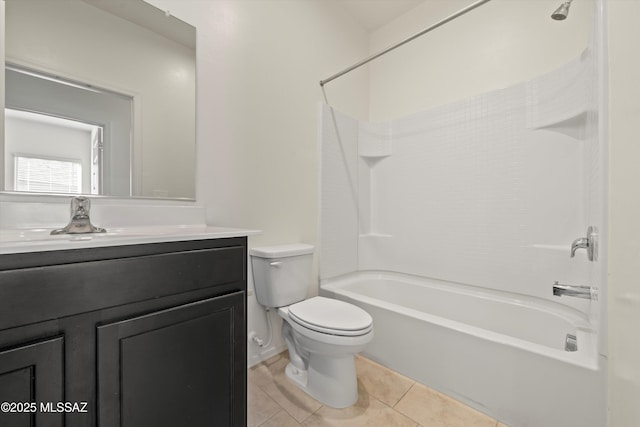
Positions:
(80, 222)
(587, 292)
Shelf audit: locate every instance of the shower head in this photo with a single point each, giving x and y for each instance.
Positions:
(562, 12)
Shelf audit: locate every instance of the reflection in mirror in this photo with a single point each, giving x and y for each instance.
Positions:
(100, 97)
(74, 166)
(56, 124)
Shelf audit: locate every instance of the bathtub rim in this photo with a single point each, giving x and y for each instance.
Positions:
(586, 356)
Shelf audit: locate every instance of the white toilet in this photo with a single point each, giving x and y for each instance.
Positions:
(322, 334)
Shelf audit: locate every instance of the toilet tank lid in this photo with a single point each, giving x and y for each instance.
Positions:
(281, 251)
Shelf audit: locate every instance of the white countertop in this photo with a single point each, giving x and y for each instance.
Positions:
(40, 240)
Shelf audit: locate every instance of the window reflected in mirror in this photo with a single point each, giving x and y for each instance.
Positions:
(57, 123)
(47, 154)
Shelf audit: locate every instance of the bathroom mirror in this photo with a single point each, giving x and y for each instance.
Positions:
(99, 99)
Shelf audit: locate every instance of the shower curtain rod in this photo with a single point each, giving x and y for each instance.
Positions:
(407, 40)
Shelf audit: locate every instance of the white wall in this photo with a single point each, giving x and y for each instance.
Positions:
(624, 212)
(501, 43)
(259, 64)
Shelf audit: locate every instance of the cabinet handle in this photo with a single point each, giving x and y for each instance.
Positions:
(275, 264)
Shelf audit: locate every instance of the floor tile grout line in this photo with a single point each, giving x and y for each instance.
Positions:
(267, 393)
(380, 401)
(293, 416)
(394, 373)
(282, 407)
(404, 394)
(399, 400)
(310, 415)
(279, 406)
(277, 412)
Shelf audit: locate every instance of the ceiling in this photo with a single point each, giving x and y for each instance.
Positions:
(372, 14)
(151, 17)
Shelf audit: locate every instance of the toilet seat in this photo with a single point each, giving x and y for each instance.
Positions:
(331, 316)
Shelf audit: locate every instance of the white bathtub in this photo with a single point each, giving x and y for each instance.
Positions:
(500, 353)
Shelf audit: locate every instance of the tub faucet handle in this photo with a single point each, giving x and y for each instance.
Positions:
(580, 243)
(590, 243)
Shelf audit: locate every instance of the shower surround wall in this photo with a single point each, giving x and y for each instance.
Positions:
(488, 192)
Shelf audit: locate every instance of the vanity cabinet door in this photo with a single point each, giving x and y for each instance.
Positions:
(184, 366)
(31, 375)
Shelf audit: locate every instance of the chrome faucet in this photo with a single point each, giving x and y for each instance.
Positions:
(590, 243)
(581, 243)
(80, 222)
(575, 291)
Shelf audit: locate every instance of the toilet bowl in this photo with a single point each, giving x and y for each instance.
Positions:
(322, 334)
(322, 356)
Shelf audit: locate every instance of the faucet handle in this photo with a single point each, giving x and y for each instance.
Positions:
(590, 243)
(579, 243)
(80, 206)
(80, 221)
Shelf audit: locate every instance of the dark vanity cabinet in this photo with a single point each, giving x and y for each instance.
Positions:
(137, 335)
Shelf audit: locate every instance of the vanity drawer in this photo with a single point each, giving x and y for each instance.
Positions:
(35, 294)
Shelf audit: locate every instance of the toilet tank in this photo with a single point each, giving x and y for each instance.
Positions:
(281, 274)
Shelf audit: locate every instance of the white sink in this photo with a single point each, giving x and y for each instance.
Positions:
(40, 239)
(44, 234)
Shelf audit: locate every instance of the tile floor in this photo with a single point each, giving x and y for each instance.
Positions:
(386, 399)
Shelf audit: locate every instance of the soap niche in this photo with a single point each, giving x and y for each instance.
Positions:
(374, 145)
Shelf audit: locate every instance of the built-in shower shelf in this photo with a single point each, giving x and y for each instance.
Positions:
(573, 125)
(375, 235)
(373, 159)
(563, 248)
(374, 141)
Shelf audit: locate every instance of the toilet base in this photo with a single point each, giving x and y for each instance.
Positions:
(323, 365)
(298, 376)
(331, 380)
